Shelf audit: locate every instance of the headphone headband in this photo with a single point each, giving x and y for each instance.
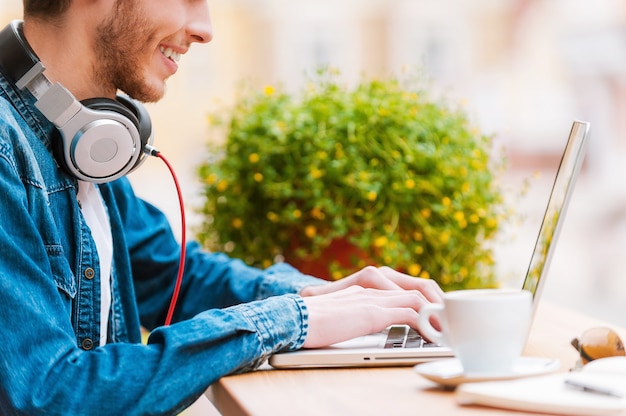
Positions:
(17, 57)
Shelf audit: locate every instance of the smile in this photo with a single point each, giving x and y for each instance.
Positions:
(170, 53)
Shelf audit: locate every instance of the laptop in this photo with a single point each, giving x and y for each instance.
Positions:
(399, 345)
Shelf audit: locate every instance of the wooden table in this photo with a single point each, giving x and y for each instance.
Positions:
(383, 391)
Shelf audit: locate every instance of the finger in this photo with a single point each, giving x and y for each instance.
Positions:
(428, 287)
(368, 300)
(370, 277)
(373, 277)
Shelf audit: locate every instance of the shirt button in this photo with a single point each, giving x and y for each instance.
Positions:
(87, 344)
(89, 273)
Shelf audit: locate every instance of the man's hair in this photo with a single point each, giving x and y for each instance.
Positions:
(45, 8)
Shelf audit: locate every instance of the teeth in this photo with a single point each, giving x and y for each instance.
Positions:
(169, 53)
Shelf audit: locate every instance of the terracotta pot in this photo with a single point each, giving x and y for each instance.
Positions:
(339, 251)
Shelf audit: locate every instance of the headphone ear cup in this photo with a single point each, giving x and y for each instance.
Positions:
(144, 124)
(76, 160)
(105, 140)
(83, 159)
(134, 111)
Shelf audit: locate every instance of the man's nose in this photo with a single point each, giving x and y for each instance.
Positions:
(200, 28)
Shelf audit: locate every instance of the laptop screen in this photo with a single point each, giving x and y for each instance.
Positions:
(567, 173)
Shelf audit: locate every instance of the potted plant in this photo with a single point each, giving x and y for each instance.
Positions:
(332, 178)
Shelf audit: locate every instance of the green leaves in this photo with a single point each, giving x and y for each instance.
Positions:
(405, 178)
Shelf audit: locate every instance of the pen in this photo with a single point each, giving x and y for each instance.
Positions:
(593, 389)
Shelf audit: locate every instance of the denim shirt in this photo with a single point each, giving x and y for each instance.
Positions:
(229, 317)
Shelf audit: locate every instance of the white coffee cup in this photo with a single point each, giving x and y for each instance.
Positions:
(486, 328)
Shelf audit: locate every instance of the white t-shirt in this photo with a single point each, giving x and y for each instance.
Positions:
(98, 222)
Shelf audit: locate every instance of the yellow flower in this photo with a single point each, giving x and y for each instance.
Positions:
(459, 216)
(474, 219)
(409, 183)
(424, 274)
(465, 187)
(310, 231)
(425, 212)
(316, 173)
(419, 250)
(211, 178)
(418, 236)
(317, 213)
(253, 158)
(268, 90)
(414, 269)
(266, 263)
(258, 177)
(372, 195)
(446, 201)
(272, 216)
(222, 185)
(237, 223)
(444, 237)
(297, 213)
(380, 241)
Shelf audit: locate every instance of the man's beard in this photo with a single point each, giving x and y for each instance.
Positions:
(119, 44)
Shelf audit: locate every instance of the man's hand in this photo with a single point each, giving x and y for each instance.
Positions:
(384, 278)
(363, 303)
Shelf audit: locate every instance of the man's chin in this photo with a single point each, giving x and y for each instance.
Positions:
(146, 94)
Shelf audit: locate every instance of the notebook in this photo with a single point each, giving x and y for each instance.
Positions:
(376, 350)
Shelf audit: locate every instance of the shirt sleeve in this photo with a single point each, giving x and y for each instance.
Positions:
(221, 329)
(211, 280)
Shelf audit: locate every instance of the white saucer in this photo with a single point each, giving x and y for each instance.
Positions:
(449, 372)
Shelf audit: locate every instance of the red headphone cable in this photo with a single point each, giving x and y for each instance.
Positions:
(181, 266)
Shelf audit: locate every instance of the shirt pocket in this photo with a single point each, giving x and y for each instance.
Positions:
(61, 271)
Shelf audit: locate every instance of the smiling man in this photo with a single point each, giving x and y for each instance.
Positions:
(85, 263)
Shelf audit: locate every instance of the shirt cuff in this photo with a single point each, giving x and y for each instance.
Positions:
(282, 278)
(282, 322)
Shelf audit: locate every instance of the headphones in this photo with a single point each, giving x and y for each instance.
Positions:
(101, 139)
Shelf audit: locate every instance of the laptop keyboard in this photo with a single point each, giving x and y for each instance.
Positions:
(405, 337)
